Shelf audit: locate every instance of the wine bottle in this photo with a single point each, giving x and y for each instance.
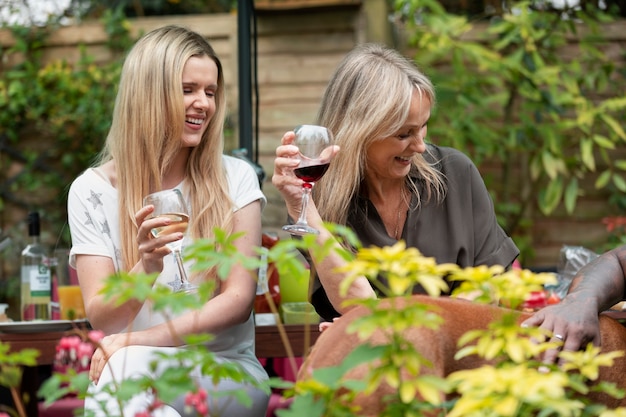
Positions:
(267, 278)
(35, 272)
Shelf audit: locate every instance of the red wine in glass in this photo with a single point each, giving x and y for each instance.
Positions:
(311, 173)
(315, 150)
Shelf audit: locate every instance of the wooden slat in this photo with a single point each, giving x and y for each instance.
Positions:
(297, 70)
(212, 26)
(278, 119)
(313, 21)
(276, 94)
(44, 342)
(330, 41)
(270, 345)
(301, 4)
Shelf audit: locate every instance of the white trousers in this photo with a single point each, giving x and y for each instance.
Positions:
(134, 361)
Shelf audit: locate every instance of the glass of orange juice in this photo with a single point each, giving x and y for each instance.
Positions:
(71, 302)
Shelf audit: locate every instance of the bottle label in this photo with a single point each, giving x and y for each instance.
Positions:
(262, 285)
(39, 280)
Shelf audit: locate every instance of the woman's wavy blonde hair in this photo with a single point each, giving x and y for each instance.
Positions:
(367, 99)
(146, 130)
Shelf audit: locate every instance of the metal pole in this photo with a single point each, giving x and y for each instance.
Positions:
(244, 14)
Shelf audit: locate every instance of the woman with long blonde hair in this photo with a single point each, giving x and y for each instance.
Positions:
(166, 133)
(386, 182)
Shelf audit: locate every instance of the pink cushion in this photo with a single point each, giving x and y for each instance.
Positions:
(65, 407)
(277, 402)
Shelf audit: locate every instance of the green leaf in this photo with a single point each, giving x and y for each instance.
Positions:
(571, 194)
(586, 154)
(550, 164)
(614, 125)
(304, 405)
(550, 199)
(603, 179)
(619, 182)
(603, 142)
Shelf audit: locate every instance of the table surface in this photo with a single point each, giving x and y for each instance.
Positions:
(271, 342)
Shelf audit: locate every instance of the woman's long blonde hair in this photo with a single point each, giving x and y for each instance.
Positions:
(146, 130)
(367, 99)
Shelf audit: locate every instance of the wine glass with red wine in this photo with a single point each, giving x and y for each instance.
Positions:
(170, 204)
(315, 151)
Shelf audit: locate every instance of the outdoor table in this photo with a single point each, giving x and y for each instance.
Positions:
(268, 345)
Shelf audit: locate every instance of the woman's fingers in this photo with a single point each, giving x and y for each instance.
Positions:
(288, 138)
(570, 328)
(152, 249)
(329, 153)
(284, 164)
(98, 360)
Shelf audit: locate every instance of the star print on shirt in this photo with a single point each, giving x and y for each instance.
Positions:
(175, 284)
(94, 199)
(89, 219)
(105, 229)
(118, 257)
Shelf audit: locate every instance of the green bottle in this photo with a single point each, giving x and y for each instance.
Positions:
(36, 277)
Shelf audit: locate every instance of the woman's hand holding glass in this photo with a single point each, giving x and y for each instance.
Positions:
(170, 209)
(303, 159)
(152, 250)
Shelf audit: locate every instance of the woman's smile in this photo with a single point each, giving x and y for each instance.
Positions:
(195, 122)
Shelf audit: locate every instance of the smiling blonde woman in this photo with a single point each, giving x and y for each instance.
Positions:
(166, 133)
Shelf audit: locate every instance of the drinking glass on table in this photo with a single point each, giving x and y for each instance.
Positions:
(314, 151)
(170, 204)
(71, 302)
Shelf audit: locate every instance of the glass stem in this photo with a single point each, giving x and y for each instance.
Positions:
(305, 203)
(181, 267)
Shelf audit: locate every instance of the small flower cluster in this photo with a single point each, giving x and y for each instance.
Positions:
(197, 401)
(193, 401)
(156, 404)
(72, 352)
(614, 223)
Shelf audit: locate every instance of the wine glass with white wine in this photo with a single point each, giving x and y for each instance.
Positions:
(170, 204)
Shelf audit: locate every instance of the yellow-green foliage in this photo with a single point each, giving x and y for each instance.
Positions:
(518, 384)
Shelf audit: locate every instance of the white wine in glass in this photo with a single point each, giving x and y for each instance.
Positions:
(314, 151)
(170, 204)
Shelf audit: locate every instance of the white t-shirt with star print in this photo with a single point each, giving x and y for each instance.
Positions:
(94, 226)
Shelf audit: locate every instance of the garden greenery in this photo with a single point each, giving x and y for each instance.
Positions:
(515, 385)
(54, 117)
(533, 88)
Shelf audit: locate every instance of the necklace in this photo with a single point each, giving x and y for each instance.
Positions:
(399, 212)
(395, 233)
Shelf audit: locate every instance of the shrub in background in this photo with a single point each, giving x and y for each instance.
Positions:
(533, 89)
